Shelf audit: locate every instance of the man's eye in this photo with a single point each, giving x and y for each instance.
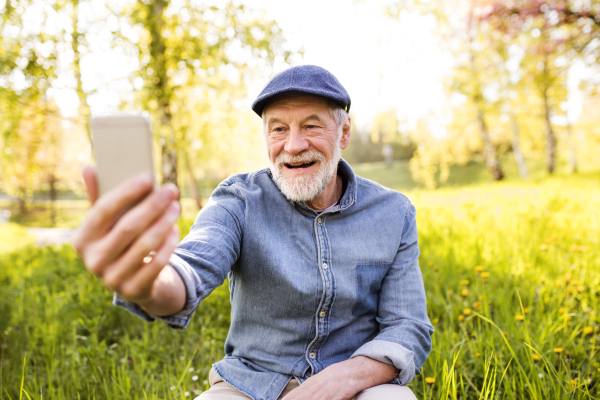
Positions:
(311, 126)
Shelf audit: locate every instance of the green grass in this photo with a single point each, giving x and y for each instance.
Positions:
(538, 241)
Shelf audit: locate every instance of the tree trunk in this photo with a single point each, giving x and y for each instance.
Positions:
(550, 135)
(489, 152)
(193, 183)
(162, 90)
(572, 152)
(52, 183)
(523, 170)
(84, 108)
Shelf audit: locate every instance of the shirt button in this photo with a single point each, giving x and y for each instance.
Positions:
(320, 220)
(322, 314)
(312, 355)
(324, 265)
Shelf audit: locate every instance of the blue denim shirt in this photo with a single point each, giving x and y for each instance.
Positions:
(307, 290)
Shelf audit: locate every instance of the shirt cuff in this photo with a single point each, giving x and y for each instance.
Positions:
(390, 353)
(181, 320)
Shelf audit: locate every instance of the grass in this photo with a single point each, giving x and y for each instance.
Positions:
(511, 270)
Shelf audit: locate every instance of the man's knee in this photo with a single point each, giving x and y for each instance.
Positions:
(386, 392)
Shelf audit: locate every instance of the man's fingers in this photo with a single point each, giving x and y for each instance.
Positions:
(152, 238)
(109, 207)
(138, 219)
(143, 280)
(91, 182)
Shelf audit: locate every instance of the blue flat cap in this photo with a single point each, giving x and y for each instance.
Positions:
(306, 79)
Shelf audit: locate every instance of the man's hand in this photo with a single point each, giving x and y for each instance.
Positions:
(342, 381)
(128, 249)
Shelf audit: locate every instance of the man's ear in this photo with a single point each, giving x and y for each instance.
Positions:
(346, 132)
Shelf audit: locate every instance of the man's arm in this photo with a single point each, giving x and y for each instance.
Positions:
(344, 380)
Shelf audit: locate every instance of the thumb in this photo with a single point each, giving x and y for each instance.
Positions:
(91, 182)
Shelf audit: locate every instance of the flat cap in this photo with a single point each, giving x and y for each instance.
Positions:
(305, 79)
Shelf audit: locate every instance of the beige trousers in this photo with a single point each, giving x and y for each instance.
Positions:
(220, 390)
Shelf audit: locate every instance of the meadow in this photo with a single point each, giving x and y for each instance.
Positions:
(512, 274)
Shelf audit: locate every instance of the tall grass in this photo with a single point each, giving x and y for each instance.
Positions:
(512, 274)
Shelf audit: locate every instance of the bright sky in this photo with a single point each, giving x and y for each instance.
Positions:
(382, 62)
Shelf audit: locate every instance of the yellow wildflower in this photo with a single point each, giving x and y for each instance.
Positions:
(580, 288)
(467, 311)
(558, 350)
(473, 334)
(588, 330)
(527, 266)
(574, 282)
(543, 279)
(461, 318)
(477, 354)
(559, 283)
(464, 293)
(436, 320)
(430, 380)
(485, 274)
(543, 247)
(430, 263)
(568, 277)
(536, 357)
(464, 282)
(562, 310)
(480, 297)
(436, 268)
(520, 318)
(477, 305)
(526, 310)
(479, 268)
(458, 363)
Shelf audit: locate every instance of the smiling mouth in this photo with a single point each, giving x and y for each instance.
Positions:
(299, 166)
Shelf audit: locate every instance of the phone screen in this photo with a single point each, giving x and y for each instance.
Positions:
(122, 147)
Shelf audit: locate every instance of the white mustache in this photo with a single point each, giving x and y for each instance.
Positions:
(302, 158)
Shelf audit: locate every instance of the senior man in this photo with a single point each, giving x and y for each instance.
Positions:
(327, 298)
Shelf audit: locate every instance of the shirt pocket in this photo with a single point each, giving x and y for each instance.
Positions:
(369, 277)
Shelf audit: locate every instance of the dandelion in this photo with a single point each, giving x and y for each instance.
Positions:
(461, 318)
(467, 311)
(543, 247)
(464, 282)
(558, 283)
(573, 383)
(485, 275)
(464, 293)
(543, 279)
(520, 318)
(558, 350)
(477, 354)
(430, 380)
(536, 357)
(588, 330)
(195, 378)
(568, 277)
(575, 282)
(473, 335)
(430, 263)
(527, 266)
(436, 268)
(436, 320)
(562, 310)
(580, 288)
(526, 310)
(458, 363)
(477, 305)
(479, 268)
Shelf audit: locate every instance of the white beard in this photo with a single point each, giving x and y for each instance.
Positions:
(305, 188)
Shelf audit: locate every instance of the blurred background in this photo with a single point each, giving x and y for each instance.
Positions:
(444, 93)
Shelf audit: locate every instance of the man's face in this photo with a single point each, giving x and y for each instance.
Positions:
(304, 144)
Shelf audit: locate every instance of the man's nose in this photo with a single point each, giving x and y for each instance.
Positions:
(296, 142)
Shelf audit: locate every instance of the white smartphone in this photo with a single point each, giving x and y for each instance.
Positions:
(122, 146)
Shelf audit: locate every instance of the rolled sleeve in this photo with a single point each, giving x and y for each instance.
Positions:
(204, 257)
(404, 338)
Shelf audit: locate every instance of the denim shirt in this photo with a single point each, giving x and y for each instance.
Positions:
(307, 290)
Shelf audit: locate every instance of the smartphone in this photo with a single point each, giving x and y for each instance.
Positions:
(122, 145)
